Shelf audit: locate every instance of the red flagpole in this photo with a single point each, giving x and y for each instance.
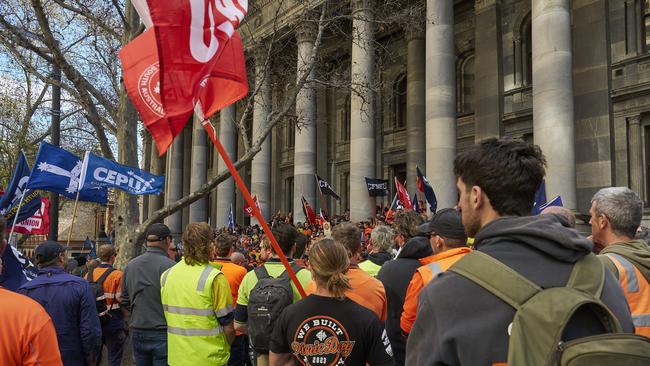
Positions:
(247, 196)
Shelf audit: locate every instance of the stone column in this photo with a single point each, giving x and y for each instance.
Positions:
(362, 116)
(304, 157)
(175, 185)
(635, 153)
(489, 71)
(226, 190)
(441, 100)
(415, 94)
(553, 124)
(261, 164)
(199, 209)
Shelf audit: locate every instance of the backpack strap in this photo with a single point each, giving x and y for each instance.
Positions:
(261, 272)
(496, 277)
(102, 278)
(295, 267)
(588, 275)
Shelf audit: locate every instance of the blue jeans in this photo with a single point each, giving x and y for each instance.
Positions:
(114, 342)
(149, 348)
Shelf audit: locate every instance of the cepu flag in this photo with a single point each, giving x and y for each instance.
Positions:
(403, 195)
(425, 187)
(98, 172)
(10, 201)
(377, 187)
(57, 170)
(325, 188)
(190, 60)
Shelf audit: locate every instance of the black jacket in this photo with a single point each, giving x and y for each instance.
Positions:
(379, 258)
(460, 323)
(396, 275)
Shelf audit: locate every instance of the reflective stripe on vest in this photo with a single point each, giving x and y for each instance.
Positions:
(435, 269)
(199, 312)
(196, 332)
(641, 320)
(204, 277)
(163, 280)
(630, 273)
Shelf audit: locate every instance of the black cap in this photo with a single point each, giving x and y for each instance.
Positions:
(446, 223)
(158, 232)
(48, 250)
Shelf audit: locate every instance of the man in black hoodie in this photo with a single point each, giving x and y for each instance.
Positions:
(459, 322)
(396, 275)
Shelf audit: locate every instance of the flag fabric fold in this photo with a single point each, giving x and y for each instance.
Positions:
(425, 187)
(98, 172)
(308, 211)
(231, 219)
(416, 203)
(540, 199)
(325, 188)
(404, 197)
(17, 188)
(557, 201)
(17, 269)
(57, 170)
(37, 224)
(248, 209)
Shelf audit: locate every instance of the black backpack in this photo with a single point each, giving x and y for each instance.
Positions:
(98, 289)
(265, 303)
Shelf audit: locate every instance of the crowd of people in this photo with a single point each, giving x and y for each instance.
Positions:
(482, 283)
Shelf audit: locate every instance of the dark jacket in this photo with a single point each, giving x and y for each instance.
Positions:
(140, 292)
(70, 302)
(396, 275)
(379, 258)
(459, 322)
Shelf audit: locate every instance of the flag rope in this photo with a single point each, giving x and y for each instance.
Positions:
(209, 128)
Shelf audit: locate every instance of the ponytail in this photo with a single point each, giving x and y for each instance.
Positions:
(337, 284)
(328, 262)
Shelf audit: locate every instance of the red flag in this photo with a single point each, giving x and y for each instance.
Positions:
(38, 224)
(308, 211)
(403, 195)
(249, 210)
(170, 71)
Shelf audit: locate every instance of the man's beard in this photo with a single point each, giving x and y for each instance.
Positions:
(471, 223)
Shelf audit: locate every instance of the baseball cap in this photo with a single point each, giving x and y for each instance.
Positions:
(446, 223)
(48, 250)
(158, 232)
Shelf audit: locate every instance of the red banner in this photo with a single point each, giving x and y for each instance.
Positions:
(403, 195)
(249, 210)
(38, 224)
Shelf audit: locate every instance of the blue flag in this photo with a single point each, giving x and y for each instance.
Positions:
(557, 201)
(17, 269)
(98, 172)
(425, 187)
(231, 219)
(58, 170)
(540, 199)
(93, 249)
(416, 203)
(14, 193)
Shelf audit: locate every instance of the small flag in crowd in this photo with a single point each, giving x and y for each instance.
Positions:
(37, 224)
(231, 219)
(248, 209)
(325, 188)
(540, 199)
(404, 197)
(557, 201)
(17, 269)
(308, 211)
(98, 172)
(88, 244)
(57, 170)
(425, 187)
(416, 203)
(10, 201)
(377, 187)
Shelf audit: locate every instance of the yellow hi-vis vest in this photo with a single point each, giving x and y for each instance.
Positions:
(194, 335)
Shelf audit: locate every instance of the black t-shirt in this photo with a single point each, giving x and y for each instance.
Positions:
(326, 331)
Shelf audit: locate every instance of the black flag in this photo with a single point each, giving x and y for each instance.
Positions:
(377, 187)
(325, 188)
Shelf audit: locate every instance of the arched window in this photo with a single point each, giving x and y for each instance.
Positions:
(466, 85)
(526, 51)
(399, 101)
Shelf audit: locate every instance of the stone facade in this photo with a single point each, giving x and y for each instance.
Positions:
(435, 86)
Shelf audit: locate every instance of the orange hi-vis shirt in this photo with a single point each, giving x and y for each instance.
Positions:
(432, 265)
(366, 291)
(27, 335)
(112, 287)
(637, 292)
(234, 274)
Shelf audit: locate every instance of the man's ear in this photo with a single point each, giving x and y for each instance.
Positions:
(603, 222)
(476, 197)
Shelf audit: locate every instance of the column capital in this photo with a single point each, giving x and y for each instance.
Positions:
(307, 29)
(482, 5)
(359, 5)
(634, 120)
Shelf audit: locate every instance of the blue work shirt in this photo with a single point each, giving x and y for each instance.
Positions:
(70, 302)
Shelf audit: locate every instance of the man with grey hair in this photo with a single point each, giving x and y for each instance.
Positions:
(381, 240)
(615, 216)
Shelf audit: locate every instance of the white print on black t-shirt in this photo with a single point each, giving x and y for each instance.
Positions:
(321, 340)
(384, 338)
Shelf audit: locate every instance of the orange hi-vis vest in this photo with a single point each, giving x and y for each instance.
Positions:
(431, 267)
(637, 292)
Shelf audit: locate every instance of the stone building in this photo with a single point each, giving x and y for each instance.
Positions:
(571, 76)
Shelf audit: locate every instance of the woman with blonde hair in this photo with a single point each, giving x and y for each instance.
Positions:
(326, 328)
